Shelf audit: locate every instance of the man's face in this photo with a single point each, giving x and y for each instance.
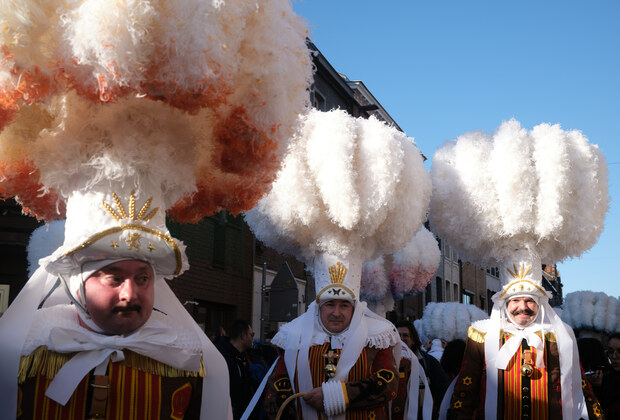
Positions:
(248, 338)
(119, 297)
(522, 310)
(405, 336)
(336, 315)
(613, 351)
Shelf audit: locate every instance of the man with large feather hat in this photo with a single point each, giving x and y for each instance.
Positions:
(115, 116)
(518, 199)
(350, 189)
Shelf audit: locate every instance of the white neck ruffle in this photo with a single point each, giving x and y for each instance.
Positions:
(381, 332)
(66, 317)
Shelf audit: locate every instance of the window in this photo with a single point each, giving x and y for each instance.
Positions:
(467, 297)
(439, 289)
(4, 297)
(456, 292)
(447, 291)
(428, 292)
(494, 271)
(318, 100)
(211, 316)
(482, 302)
(489, 295)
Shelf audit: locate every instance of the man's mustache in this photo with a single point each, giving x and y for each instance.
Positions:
(522, 311)
(128, 308)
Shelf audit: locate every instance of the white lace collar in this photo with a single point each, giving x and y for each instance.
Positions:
(381, 332)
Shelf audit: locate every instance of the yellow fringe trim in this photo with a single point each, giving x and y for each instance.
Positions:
(41, 361)
(475, 335)
(478, 336)
(48, 363)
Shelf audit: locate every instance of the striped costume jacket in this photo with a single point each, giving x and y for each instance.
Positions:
(138, 388)
(537, 397)
(372, 383)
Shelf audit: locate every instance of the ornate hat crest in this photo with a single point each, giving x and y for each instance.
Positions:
(113, 225)
(336, 278)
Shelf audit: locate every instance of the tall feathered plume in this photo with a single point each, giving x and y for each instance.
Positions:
(348, 186)
(543, 191)
(198, 96)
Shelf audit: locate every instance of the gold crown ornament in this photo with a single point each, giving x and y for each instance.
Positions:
(336, 278)
(522, 276)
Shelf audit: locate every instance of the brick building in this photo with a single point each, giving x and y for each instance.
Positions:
(473, 285)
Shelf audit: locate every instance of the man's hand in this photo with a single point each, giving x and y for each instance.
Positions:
(314, 398)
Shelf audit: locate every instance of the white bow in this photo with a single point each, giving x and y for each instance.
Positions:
(511, 346)
(154, 340)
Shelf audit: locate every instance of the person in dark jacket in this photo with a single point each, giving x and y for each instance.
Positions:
(235, 348)
(611, 381)
(452, 357)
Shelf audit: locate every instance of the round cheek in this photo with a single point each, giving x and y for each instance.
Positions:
(349, 314)
(149, 296)
(323, 315)
(98, 296)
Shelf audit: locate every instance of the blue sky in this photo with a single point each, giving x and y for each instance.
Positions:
(442, 68)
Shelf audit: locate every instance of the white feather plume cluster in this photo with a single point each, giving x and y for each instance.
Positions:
(134, 141)
(411, 270)
(592, 310)
(224, 81)
(543, 190)
(449, 320)
(415, 265)
(375, 283)
(348, 186)
(44, 240)
(159, 48)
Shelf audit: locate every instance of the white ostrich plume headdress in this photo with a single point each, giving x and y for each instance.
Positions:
(591, 311)
(201, 95)
(349, 190)
(518, 198)
(449, 320)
